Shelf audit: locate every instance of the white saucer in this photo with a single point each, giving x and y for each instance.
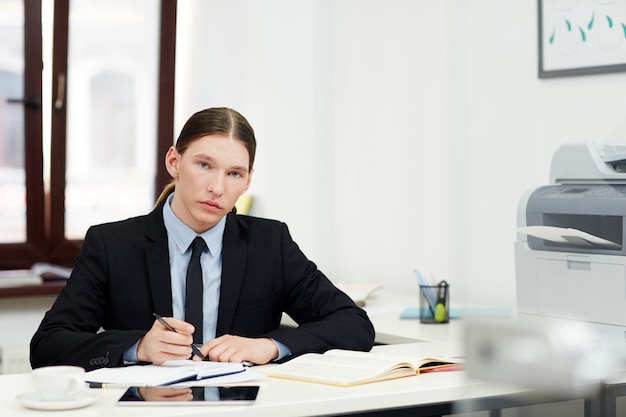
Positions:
(34, 401)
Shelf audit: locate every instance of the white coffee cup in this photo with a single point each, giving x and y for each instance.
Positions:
(59, 383)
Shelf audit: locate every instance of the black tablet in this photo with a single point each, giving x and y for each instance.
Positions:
(231, 395)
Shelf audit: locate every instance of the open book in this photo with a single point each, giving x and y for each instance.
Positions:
(347, 367)
(169, 372)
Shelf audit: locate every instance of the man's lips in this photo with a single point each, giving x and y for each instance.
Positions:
(211, 205)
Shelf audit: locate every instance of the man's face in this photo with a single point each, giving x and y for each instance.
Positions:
(210, 176)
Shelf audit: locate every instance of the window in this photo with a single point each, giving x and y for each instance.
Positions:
(87, 152)
(112, 90)
(12, 171)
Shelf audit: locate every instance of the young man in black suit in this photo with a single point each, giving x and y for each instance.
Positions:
(252, 272)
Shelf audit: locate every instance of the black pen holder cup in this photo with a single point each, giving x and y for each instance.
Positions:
(434, 304)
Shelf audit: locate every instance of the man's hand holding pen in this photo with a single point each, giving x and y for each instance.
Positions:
(162, 344)
(194, 349)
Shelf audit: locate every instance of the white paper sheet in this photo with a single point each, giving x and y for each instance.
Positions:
(566, 235)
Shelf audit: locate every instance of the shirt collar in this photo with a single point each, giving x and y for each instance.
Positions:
(182, 235)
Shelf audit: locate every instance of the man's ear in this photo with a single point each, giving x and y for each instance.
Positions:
(172, 160)
(249, 179)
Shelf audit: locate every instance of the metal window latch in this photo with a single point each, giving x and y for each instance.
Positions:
(34, 101)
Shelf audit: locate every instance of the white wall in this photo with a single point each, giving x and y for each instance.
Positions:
(20, 318)
(393, 134)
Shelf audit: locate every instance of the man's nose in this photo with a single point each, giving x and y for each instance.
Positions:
(216, 184)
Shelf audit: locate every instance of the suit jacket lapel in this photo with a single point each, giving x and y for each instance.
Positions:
(234, 249)
(157, 261)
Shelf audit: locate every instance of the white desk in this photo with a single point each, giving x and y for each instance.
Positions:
(288, 398)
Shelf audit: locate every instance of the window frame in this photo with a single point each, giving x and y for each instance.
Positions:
(13, 254)
(45, 210)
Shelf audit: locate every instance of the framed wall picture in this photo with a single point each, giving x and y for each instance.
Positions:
(578, 37)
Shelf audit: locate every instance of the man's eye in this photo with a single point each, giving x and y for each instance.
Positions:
(235, 174)
(203, 164)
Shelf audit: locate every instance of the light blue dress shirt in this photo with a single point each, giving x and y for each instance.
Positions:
(180, 237)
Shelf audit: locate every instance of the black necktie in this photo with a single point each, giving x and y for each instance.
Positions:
(193, 302)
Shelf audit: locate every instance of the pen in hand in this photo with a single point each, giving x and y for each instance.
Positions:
(165, 324)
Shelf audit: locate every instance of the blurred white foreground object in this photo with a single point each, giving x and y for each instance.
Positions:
(557, 357)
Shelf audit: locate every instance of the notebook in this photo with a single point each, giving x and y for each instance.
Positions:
(169, 372)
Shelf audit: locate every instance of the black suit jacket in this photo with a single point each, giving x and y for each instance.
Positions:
(122, 277)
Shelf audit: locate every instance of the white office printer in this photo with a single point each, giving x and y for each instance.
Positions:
(570, 259)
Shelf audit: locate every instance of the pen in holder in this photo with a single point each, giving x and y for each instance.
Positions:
(435, 303)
